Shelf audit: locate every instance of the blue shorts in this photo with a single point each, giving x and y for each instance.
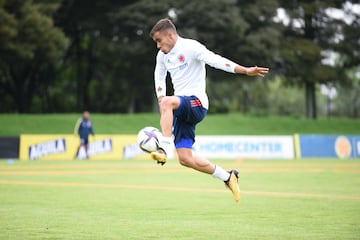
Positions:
(189, 113)
(84, 140)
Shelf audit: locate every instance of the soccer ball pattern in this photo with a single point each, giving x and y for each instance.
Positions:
(148, 139)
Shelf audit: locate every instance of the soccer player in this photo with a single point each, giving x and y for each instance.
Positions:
(83, 128)
(185, 60)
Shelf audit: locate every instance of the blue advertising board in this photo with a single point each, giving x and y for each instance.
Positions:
(331, 146)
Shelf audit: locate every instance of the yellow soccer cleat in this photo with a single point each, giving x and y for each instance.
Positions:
(233, 184)
(159, 156)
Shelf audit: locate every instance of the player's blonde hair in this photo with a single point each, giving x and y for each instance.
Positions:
(164, 24)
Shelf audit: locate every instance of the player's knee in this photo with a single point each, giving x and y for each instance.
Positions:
(165, 103)
(169, 103)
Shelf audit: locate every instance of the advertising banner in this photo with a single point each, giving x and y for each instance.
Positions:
(331, 146)
(356, 145)
(66, 147)
(117, 147)
(249, 147)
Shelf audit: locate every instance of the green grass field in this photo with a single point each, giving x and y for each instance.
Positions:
(234, 123)
(141, 200)
(296, 199)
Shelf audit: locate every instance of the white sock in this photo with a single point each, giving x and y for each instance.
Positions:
(166, 143)
(221, 174)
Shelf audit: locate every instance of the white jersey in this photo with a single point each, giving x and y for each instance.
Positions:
(186, 65)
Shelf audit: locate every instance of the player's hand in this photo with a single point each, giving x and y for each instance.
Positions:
(257, 71)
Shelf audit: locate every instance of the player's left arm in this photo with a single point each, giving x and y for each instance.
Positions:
(217, 61)
(92, 131)
(251, 71)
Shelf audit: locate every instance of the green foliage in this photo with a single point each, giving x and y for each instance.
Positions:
(111, 58)
(31, 47)
(309, 33)
(206, 22)
(285, 100)
(67, 56)
(348, 100)
(261, 41)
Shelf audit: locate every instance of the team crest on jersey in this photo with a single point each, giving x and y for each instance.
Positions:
(181, 58)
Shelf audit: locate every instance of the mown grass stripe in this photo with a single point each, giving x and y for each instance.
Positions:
(178, 189)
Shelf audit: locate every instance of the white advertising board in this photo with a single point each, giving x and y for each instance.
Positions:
(248, 147)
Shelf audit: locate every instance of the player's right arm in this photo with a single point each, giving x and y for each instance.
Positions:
(160, 76)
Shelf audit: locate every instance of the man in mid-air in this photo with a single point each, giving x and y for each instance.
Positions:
(185, 60)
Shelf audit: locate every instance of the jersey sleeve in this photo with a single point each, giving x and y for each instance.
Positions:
(214, 60)
(160, 75)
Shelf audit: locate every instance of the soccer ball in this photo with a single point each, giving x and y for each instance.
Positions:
(148, 139)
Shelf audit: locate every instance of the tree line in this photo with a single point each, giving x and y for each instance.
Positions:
(71, 55)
